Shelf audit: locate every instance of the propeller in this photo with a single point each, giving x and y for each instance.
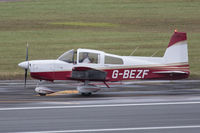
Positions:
(26, 69)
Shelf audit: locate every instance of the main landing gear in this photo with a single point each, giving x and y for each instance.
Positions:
(87, 89)
(86, 94)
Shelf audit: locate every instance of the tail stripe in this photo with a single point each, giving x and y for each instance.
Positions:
(177, 37)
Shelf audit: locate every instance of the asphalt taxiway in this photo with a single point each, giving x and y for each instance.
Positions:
(153, 107)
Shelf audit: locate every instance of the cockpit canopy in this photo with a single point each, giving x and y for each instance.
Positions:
(90, 56)
(67, 56)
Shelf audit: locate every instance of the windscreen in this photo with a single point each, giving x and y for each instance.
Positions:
(67, 56)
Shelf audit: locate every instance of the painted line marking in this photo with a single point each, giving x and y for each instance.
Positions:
(63, 92)
(101, 105)
(116, 129)
(37, 101)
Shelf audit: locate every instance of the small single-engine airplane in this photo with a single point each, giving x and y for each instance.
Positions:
(89, 66)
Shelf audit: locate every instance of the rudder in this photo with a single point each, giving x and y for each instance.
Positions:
(177, 50)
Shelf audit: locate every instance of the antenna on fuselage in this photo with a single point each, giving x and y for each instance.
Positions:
(155, 53)
(134, 51)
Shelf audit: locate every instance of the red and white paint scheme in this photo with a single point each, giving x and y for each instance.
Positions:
(104, 67)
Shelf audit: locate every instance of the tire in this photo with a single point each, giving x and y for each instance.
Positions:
(86, 94)
(42, 94)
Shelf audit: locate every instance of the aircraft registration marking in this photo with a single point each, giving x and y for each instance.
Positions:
(120, 73)
(132, 74)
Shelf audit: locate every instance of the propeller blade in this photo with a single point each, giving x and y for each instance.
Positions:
(25, 77)
(26, 70)
(27, 52)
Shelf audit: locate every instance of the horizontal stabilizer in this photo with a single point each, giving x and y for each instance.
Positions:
(171, 72)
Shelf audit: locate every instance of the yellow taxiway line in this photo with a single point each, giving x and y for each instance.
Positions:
(63, 92)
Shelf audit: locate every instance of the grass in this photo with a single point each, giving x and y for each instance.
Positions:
(84, 24)
(52, 27)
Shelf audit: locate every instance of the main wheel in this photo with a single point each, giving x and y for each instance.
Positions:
(42, 94)
(86, 94)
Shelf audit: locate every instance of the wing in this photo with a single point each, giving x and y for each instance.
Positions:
(87, 73)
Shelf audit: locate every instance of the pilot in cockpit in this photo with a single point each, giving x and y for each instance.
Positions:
(86, 58)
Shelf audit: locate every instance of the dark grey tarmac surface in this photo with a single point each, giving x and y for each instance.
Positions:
(152, 107)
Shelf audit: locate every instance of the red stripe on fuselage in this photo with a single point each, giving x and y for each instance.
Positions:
(117, 74)
(50, 76)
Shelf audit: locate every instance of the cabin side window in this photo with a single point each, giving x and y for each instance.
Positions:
(87, 57)
(112, 60)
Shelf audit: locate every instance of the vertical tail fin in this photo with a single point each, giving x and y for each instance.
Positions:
(177, 51)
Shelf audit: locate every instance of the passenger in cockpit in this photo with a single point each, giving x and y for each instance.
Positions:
(86, 58)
